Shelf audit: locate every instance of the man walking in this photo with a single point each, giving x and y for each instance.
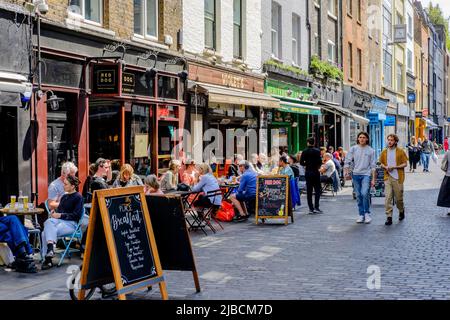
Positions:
(394, 161)
(362, 160)
(312, 161)
(427, 148)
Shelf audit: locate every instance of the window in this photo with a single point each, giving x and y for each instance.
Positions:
(399, 18)
(91, 10)
(237, 28)
(387, 68)
(332, 8)
(276, 29)
(359, 64)
(350, 7)
(296, 39)
(331, 52)
(358, 11)
(146, 18)
(410, 27)
(350, 61)
(410, 60)
(210, 24)
(387, 26)
(400, 78)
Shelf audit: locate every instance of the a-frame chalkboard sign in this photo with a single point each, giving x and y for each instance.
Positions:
(120, 245)
(272, 198)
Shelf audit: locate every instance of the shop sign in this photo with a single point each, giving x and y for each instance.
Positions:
(374, 118)
(390, 121)
(403, 110)
(378, 106)
(137, 83)
(105, 79)
(233, 81)
(200, 102)
(411, 97)
(280, 89)
(167, 112)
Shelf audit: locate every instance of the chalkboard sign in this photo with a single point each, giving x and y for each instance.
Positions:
(272, 200)
(171, 234)
(130, 256)
(379, 183)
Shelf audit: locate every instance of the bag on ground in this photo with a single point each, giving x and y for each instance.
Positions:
(226, 212)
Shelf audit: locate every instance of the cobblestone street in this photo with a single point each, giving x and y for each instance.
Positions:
(318, 257)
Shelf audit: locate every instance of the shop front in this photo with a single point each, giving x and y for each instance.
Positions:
(295, 116)
(111, 101)
(235, 106)
(377, 116)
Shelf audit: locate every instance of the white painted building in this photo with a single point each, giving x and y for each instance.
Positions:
(224, 43)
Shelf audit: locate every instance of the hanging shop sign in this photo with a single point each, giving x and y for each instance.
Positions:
(390, 121)
(281, 89)
(106, 79)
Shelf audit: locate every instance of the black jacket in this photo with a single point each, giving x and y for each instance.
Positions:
(311, 159)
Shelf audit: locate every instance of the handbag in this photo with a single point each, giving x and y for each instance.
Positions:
(183, 187)
(444, 165)
(434, 156)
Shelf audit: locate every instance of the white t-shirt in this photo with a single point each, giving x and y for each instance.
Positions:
(392, 162)
(56, 190)
(330, 167)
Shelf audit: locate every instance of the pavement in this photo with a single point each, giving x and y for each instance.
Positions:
(325, 256)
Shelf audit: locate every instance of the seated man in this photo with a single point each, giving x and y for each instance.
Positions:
(327, 169)
(246, 191)
(56, 188)
(15, 235)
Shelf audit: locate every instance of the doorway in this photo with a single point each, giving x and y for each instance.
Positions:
(9, 154)
(61, 145)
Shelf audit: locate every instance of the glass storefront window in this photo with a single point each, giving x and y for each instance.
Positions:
(138, 130)
(104, 131)
(167, 87)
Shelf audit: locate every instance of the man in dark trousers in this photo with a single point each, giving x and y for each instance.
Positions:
(311, 161)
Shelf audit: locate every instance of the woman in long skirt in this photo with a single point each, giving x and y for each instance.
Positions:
(444, 193)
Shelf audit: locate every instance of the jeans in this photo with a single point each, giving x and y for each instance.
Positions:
(14, 234)
(425, 160)
(361, 185)
(54, 228)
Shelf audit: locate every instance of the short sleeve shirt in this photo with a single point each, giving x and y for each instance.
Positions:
(56, 190)
(330, 167)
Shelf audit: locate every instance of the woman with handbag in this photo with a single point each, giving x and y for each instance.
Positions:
(413, 154)
(444, 193)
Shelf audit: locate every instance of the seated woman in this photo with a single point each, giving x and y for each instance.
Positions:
(63, 221)
(190, 175)
(169, 181)
(206, 184)
(15, 235)
(127, 178)
(151, 185)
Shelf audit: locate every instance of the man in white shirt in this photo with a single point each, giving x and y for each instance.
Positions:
(327, 169)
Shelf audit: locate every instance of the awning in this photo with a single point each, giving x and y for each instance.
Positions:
(335, 108)
(299, 108)
(431, 124)
(218, 94)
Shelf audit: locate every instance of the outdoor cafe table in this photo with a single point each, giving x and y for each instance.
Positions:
(20, 213)
(229, 189)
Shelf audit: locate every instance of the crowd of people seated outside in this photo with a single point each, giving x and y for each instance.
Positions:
(65, 204)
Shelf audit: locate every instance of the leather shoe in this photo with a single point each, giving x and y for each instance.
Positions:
(388, 221)
(401, 216)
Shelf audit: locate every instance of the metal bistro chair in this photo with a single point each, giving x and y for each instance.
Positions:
(76, 235)
(207, 214)
(36, 232)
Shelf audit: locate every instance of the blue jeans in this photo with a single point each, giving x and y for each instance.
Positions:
(361, 185)
(14, 234)
(425, 160)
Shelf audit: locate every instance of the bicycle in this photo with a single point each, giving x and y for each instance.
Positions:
(107, 291)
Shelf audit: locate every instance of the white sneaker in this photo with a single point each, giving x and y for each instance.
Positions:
(360, 219)
(367, 219)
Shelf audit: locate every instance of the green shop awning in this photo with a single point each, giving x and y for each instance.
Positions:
(299, 108)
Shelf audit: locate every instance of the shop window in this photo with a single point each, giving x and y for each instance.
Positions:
(104, 133)
(166, 142)
(237, 28)
(210, 24)
(167, 87)
(138, 139)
